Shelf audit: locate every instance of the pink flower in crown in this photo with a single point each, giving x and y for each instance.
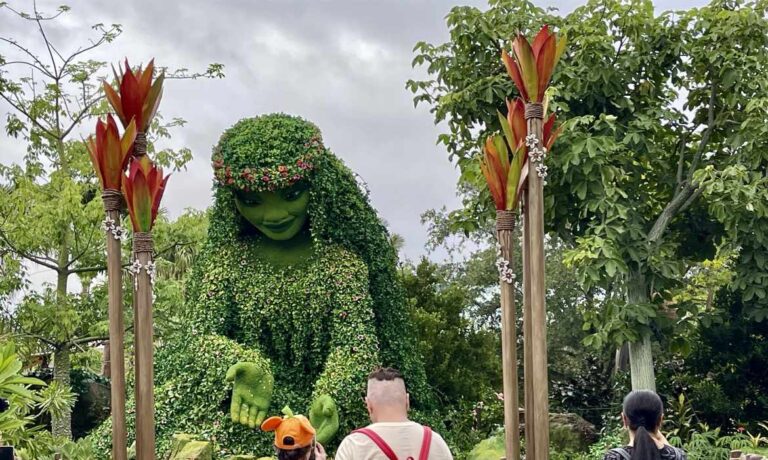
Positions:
(265, 178)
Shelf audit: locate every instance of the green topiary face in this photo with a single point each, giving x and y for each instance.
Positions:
(279, 215)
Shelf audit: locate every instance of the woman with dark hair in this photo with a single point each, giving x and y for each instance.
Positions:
(642, 415)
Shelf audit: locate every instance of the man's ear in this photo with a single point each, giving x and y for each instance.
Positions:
(624, 420)
(407, 401)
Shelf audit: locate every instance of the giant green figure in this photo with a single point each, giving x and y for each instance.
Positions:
(293, 300)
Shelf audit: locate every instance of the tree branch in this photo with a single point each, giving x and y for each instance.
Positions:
(96, 338)
(45, 38)
(36, 337)
(28, 53)
(707, 133)
(687, 192)
(692, 198)
(80, 51)
(97, 268)
(79, 117)
(27, 115)
(681, 160)
(669, 212)
(7, 63)
(26, 255)
(85, 249)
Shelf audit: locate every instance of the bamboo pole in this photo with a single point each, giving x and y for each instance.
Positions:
(530, 433)
(112, 200)
(143, 344)
(534, 114)
(505, 224)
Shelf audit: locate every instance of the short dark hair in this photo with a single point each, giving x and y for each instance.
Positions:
(385, 373)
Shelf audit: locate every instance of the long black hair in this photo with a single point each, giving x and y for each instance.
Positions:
(643, 410)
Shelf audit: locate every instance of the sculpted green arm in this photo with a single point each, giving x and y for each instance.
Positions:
(215, 319)
(354, 352)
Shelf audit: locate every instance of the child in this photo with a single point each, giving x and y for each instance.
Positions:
(294, 437)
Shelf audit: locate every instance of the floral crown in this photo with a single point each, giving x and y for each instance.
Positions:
(267, 153)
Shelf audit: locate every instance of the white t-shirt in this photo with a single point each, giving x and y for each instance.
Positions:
(404, 438)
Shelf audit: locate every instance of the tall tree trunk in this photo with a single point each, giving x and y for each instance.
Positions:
(61, 424)
(105, 361)
(640, 355)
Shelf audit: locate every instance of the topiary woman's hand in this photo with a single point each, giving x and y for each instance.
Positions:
(251, 393)
(324, 416)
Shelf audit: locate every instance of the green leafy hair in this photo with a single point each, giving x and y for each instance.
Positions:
(339, 214)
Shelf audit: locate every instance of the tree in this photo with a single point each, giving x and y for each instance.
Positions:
(179, 242)
(448, 338)
(467, 288)
(54, 190)
(659, 109)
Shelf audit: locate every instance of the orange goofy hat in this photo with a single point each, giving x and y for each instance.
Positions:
(291, 432)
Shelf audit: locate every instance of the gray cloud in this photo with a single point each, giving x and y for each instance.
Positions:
(341, 64)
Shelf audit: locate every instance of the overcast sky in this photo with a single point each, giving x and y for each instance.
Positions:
(340, 64)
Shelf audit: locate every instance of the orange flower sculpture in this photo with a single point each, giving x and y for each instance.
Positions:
(143, 189)
(139, 97)
(532, 67)
(110, 153)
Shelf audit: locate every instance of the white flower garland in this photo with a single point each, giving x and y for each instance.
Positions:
(505, 273)
(536, 154)
(118, 232)
(136, 267)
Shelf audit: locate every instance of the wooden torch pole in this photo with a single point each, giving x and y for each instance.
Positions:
(505, 225)
(145, 399)
(530, 434)
(534, 114)
(112, 200)
(143, 334)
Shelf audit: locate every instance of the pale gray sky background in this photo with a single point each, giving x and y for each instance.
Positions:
(341, 64)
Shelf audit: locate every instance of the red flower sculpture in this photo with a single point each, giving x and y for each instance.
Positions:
(505, 157)
(143, 189)
(110, 153)
(138, 98)
(533, 65)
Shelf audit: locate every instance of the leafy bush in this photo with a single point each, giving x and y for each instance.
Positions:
(17, 422)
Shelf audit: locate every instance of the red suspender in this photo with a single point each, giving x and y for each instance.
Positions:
(386, 450)
(425, 443)
(383, 446)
